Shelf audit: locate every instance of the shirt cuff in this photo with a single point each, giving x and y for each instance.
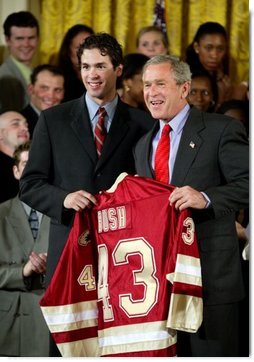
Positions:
(208, 201)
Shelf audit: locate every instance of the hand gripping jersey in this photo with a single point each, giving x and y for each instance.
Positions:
(149, 277)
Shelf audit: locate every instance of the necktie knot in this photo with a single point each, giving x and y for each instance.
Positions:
(165, 130)
(102, 112)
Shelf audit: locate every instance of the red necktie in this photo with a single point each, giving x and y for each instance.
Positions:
(100, 131)
(162, 156)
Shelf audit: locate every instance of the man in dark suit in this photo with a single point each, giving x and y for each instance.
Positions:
(208, 162)
(64, 170)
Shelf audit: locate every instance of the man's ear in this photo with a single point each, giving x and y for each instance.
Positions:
(16, 172)
(186, 89)
(30, 88)
(119, 70)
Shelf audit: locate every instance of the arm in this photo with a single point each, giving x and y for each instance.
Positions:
(43, 183)
(231, 192)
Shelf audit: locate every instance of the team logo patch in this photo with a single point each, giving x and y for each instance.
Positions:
(84, 238)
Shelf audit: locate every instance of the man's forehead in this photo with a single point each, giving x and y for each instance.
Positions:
(9, 117)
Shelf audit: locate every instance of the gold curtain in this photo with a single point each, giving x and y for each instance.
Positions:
(124, 18)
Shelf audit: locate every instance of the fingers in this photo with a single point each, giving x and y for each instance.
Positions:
(79, 200)
(187, 197)
(38, 262)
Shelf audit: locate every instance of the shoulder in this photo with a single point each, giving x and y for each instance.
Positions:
(135, 115)
(65, 109)
(7, 67)
(6, 207)
(213, 121)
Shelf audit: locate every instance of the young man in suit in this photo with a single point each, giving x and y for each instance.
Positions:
(46, 89)
(23, 256)
(64, 169)
(21, 31)
(208, 164)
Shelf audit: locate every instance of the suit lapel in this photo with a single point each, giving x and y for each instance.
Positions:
(148, 149)
(81, 126)
(117, 132)
(17, 219)
(189, 146)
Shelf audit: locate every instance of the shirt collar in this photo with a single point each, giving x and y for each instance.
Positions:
(93, 107)
(179, 120)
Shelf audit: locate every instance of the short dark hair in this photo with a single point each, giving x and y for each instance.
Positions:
(107, 45)
(21, 19)
(18, 150)
(41, 67)
(133, 64)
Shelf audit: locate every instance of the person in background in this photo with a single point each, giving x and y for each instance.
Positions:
(21, 30)
(23, 257)
(131, 80)
(81, 146)
(46, 89)
(67, 60)
(207, 159)
(13, 133)
(151, 41)
(209, 51)
(238, 109)
(204, 92)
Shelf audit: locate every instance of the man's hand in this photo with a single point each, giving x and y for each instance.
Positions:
(35, 264)
(186, 196)
(79, 200)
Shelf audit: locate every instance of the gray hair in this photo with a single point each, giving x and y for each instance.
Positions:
(181, 70)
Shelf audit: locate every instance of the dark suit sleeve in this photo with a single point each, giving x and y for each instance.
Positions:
(233, 159)
(36, 185)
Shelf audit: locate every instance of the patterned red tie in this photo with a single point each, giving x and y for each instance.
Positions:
(100, 131)
(162, 156)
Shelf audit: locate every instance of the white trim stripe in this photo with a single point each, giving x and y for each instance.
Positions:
(52, 319)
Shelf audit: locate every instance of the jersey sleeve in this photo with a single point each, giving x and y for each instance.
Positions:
(69, 304)
(186, 302)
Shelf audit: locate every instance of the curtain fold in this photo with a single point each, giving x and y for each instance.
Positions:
(124, 18)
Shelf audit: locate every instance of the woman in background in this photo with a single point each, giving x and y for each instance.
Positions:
(131, 80)
(204, 92)
(209, 51)
(151, 41)
(68, 61)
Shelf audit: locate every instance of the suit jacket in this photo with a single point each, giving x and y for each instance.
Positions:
(13, 89)
(63, 159)
(9, 184)
(23, 331)
(212, 157)
(31, 117)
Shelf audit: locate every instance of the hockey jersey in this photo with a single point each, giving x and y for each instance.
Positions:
(148, 279)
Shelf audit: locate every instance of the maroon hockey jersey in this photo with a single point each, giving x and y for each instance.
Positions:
(149, 277)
